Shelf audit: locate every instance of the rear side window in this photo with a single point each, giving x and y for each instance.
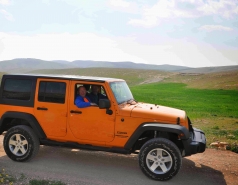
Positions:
(53, 92)
(17, 89)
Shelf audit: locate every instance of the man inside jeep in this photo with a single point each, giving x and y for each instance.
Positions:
(95, 94)
(82, 100)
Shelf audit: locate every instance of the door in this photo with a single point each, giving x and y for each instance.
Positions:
(51, 106)
(90, 123)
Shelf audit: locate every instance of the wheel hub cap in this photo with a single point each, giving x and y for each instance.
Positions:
(18, 144)
(159, 161)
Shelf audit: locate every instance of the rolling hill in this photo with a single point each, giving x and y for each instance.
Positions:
(216, 80)
(225, 77)
(132, 76)
(210, 69)
(213, 80)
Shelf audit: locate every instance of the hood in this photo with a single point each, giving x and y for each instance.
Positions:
(157, 113)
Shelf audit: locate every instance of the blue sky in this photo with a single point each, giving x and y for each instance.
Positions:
(193, 33)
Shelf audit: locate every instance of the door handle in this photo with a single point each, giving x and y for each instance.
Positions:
(41, 108)
(76, 112)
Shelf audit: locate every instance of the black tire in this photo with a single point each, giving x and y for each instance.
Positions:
(20, 143)
(160, 159)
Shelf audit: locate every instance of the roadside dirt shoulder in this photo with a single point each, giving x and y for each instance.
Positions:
(221, 160)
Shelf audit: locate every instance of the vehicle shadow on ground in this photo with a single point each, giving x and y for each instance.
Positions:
(74, 166)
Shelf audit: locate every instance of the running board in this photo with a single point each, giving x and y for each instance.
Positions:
(85, 147)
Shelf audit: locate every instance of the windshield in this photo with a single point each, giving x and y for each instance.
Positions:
(121, 92)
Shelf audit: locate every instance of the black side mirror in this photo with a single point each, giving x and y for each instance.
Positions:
(104, 104)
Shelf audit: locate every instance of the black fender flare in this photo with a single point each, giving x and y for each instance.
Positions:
(177, 129)
(25, 116)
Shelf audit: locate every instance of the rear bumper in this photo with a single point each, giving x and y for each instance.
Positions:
(196, 143)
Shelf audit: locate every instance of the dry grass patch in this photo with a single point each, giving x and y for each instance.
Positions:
(219, 80)
(220, 129)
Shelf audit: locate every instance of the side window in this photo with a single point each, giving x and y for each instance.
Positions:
(103, 92)
(101, 89)
(94, 92)
(18, 89)
(53, 92)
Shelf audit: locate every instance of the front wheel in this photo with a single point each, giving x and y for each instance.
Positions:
(160, 159)
(20, 143)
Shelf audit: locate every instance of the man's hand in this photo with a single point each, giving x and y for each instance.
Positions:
(93, 104)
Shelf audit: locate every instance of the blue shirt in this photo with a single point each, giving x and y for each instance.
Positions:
(80, 103)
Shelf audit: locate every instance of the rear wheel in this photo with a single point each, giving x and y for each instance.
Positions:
(160, 159)
(20, 143)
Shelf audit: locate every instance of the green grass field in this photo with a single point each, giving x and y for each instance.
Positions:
(214, 111)
(198, 103)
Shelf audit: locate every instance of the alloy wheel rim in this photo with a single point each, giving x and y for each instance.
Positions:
(159, 161)
(18, 144)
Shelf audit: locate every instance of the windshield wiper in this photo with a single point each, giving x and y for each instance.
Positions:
(131, 100)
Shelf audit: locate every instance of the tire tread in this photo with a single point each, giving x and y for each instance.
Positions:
(171, 148)
(33, 138)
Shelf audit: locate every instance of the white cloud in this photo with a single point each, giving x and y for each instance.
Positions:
(119, 3)
(215, 28)
(168, 9)
(5, 2)
(7, 15)
(162, 10)
(145, 22)
(123, 6)
(224, 8)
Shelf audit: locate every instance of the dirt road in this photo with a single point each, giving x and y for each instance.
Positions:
(99, 168)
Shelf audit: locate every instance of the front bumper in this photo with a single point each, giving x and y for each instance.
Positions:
(196, 142)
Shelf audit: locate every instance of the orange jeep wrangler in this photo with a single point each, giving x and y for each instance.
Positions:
(40, 110)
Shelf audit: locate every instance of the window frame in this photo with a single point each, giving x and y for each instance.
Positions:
(17, 91)
(45, 91)
(78, 84)
(16, 102)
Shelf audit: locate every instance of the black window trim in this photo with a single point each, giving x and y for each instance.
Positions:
(47, 81)
(15, 102)
(17, 92)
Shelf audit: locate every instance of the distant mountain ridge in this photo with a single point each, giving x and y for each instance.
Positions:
(128, 65)
(24, 65)
(28, 64)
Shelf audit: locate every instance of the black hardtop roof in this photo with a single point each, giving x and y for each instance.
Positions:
(68, 77)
